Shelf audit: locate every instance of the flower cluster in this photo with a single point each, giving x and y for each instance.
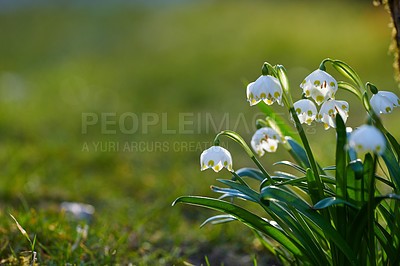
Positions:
(321, 88)
(288, 198)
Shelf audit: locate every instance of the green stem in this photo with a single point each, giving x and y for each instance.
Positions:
(371, 211)
(241, 181)
(263, 170)
(310, 156)
(236, 137)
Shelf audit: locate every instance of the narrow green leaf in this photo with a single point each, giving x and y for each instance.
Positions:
(327, 202)
(312, 186)
(295, 166)
(393, 167)
(245, 217)
(244, 189)
(386, 241)
(251, 172)
(273, 193)
(347, 71)
(357, 167)
(283, 125)
(229, 192)
(301, 232)
(224, 218)
(236, 137)
(341, 157)
(349, 87)
(395, 144)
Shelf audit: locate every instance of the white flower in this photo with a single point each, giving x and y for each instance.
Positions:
(267, 88)
(306, 111)
(329, 110)
(320, 86)
(367, 139)
(216, 158)
(265, 139)
(384, 102)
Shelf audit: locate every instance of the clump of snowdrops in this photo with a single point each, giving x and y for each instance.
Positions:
(345, 214)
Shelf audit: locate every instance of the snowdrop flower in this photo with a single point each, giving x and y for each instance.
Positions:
(367, 139)
(266, 88)
(216, 158)
(320, 86)
(329, 110)
(384, 102)
(265, 139)
(306, 111)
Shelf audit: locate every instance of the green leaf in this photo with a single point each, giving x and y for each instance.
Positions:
(395, 144)
(246, 217)
(341, 178)
(359, 224)
(283, 78)
(281, 123)
(217, 219)
(250, 172)
(236, 137)
(347, 72)
(273, 193)
(393, 167)
(327, 202)
(229, 192)
(301, 232)
(349, 87)
(244, 189)
(386, 241)
(299, 152)
(295, 166)
(312, 186)
(357, 167)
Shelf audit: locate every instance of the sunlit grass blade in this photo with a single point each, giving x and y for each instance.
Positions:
(245, 217)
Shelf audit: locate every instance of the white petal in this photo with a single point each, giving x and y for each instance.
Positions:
(306, 111)
(265, 139)
(267, 88)
(367, 139)
(384, 102)
(330, 109)
(320, 86)
(216, 158)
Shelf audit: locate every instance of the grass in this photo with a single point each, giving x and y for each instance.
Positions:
(59, 61)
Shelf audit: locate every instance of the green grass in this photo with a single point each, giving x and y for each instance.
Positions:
(57, 62)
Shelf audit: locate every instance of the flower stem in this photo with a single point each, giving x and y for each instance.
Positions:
(310, 156)
(371, 208)
(241, 181)
(236, 137)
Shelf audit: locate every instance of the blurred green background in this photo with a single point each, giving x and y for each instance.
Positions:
(173, 61)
